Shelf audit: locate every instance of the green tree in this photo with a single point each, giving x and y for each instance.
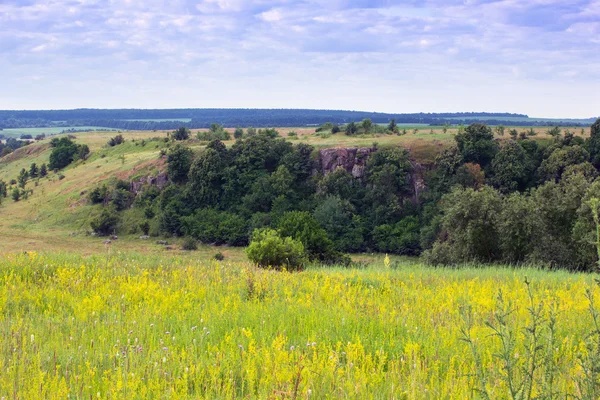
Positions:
(520, 227)
(117, 140)
(3, 189)
(238, 133)
(351, 129)
(22, 179)
(182, 133)
(207, 174)
(105, 223)
(33, 170)
(400, 238)
(43, 170)
(179, 161)
(512, 168)
(593, 143)
(367, 125)
(477, 145)
(470, 226)
(16, 194)
(555, 165)
(268, 249)
(392, 126)
(499, 129)
(300, 225)
(336, 217)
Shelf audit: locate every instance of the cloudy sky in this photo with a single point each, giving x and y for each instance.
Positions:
(539, 57)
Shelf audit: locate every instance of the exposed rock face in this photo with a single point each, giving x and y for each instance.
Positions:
(160, 181)
(417, 180)
(352, 159)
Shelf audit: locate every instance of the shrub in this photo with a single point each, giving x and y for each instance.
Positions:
(115, 141)
(145, 227)
(98, 194)
(219, 256)
(106, 222)
(400, 238)
(268, 249)
(16, 194)
(238, 133)
(189, 243)
(182, 133)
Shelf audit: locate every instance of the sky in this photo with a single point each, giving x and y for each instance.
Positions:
(537, 57)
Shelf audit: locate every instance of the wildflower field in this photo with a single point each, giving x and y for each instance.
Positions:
(127, 326)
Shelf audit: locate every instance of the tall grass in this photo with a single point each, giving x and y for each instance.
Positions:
(133, 326)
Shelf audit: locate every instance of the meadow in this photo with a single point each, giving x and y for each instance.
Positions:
(123, 325)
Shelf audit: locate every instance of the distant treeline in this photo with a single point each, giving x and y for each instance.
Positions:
(137, 119)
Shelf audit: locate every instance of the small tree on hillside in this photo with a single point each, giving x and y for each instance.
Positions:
(182, 133)
(33, 170)
(43, 170)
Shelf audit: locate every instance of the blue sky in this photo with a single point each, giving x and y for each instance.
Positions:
(539, 57)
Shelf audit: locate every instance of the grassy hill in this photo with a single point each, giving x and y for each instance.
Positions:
(57, 215)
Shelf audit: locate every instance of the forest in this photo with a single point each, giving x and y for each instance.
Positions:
(157, 119)
(514, 201)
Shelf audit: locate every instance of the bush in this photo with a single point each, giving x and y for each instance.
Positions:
(399, 238)
(98, 194)
(268, 249)
(145, 227)
(189, 243)
(182, 133)
(212, 226)
(219, 256)
(238, 133)
(115, 141)
(106, 222)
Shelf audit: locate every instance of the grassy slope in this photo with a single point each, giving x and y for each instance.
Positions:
(57, 209)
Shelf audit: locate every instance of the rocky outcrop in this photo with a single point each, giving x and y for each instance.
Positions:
(352, 159)
(160, 181)
(417, 180)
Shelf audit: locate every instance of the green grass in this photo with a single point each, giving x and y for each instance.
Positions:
(125, 325)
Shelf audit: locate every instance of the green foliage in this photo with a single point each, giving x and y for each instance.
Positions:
(190, 244)
(554, 166)
(216, 132)
(336, 217)
(105, 223)
(219, 256)
(593, 143)
(477, 145)
(218, 227)
(351, 129)
(98, 194)
(34, 171)
(302, 226)
(512, 168)
(182, 133)
(268, 249)
(179, 161)
(121, 199)
(520, 227)
(3, 189)
(16, 194)
(116, 140)
(145, 227)
(43, 170)
(22, 179)
(399, 238)
(470, 228)
(64, 152)
(238, 133)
